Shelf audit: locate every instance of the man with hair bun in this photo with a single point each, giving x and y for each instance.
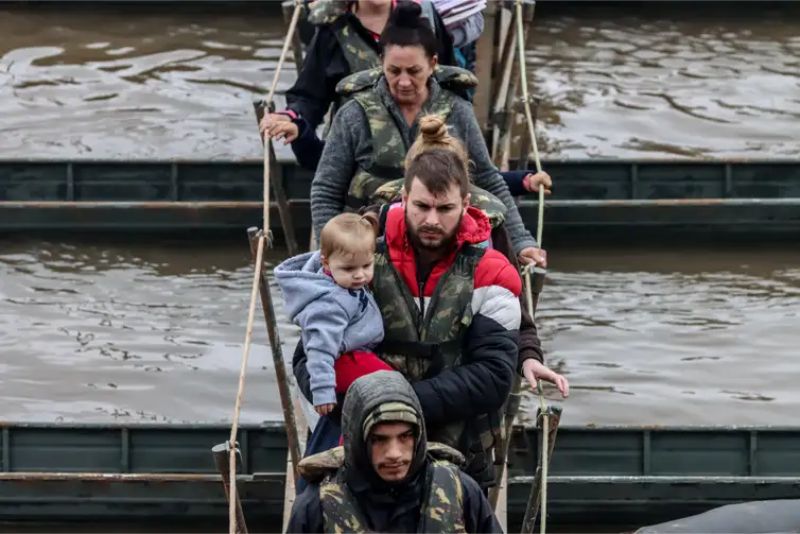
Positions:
(450, 308)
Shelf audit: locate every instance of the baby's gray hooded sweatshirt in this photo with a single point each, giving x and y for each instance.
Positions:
(334, 320)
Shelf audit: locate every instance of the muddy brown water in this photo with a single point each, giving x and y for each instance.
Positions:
(93, 329)
(169, 82)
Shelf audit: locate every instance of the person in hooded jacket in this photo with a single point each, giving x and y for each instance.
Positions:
(387, 477)
(450, 308)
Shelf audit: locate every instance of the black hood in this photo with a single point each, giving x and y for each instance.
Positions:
(366, 402)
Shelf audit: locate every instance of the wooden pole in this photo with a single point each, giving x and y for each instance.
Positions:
(297, 46)
(281, 377)
(547, 421)
(510, 108)
(221, 455)
(270, 167)
(484, 66)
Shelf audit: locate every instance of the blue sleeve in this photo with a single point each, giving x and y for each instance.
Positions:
(306, 514)
(307, 147)
(514, 181)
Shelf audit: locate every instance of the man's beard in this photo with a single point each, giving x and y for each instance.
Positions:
(444, 242)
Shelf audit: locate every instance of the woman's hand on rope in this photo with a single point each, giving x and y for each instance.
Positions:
(532, 182)
(278, 126)
(536, 256)
(533, 370)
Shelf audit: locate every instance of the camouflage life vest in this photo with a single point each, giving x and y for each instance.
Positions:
(421, 343)
(389, 148)
(442, 507)
(359, 55)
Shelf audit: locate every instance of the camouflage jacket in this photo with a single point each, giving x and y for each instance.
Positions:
(441, 510)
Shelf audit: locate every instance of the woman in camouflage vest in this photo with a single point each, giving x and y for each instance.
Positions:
(371, 133)
(345, 41)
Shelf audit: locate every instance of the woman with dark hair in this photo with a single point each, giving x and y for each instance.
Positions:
(345, 42)
(371, 133)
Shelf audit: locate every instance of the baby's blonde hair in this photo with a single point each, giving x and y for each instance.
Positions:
(349, 234)
(433, 134)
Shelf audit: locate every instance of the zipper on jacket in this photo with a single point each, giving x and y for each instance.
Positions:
(421, 300)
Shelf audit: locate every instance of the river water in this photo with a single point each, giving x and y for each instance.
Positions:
(141, 331)
(117, 82)
(95, 329)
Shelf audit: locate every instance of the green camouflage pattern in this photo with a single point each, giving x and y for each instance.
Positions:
(341, 512)
(447, 317)
(323, 12)
(358, 54)
(442, 508)
(358, 81)
(316, 467)
(388, 146)
(489, 204)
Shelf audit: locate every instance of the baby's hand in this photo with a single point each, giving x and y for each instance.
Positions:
(325, 409)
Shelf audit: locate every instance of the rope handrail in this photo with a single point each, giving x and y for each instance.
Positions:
(527, 269)
(264, 239)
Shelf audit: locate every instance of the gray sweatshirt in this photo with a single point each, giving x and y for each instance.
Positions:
(334, 320)
(348, 144)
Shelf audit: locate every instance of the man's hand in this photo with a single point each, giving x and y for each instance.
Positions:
(537, 256)
(325, 409)
(532, 182)
(278, 126)
(533, 370)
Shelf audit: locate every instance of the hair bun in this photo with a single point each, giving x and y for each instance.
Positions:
(407, 15)
(433, 129)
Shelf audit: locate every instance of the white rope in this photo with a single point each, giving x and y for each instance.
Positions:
(527, 269)
(298, 6)
(240, 393)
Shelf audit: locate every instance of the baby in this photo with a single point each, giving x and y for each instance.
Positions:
(326, 294)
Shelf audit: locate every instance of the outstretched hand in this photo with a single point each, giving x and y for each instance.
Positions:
(533, 370)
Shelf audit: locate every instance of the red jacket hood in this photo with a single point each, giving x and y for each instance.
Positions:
(475, 228)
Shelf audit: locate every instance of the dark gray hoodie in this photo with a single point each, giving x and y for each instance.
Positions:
(334, 320)
(395, 506)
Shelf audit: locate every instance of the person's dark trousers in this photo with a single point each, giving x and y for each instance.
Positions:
(326, 436)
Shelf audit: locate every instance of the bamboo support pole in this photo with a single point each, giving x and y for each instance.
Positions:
(221, 455)
(281, 376)
(297, 45)
(511, 100)
(233, 498)
(548, 421)
(284, 208)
